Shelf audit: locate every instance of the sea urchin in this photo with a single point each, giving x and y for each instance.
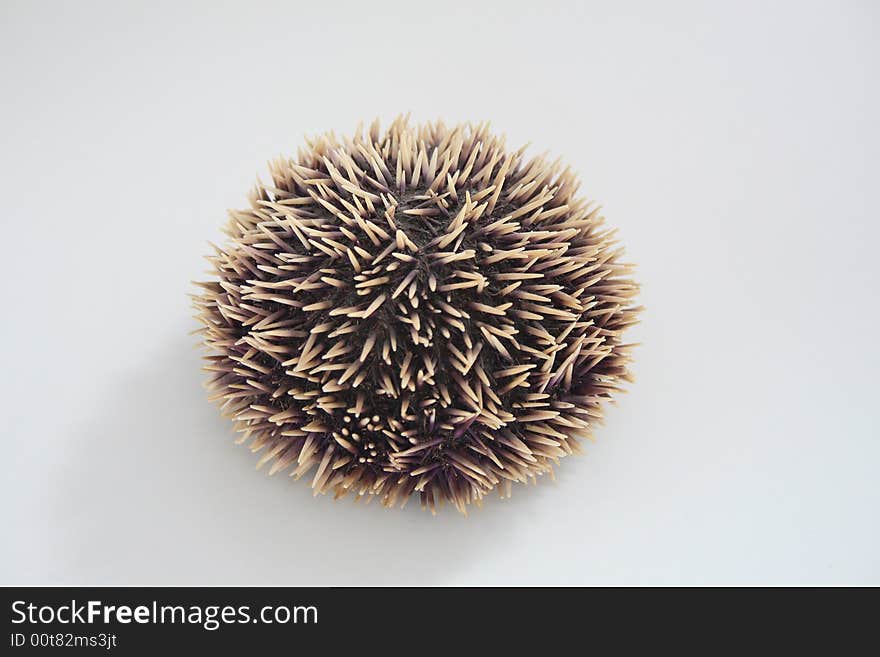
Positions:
(416, 311)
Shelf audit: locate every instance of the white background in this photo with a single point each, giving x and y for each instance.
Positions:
(735, 146)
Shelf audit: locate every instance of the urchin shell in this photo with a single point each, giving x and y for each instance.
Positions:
(416, 311)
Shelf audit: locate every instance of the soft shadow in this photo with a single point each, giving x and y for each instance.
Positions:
(156, 492)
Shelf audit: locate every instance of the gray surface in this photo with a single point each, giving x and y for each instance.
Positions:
(736, 149)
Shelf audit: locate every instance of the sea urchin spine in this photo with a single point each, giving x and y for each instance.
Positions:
(416, 311)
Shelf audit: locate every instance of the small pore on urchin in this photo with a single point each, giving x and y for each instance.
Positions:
(416, 311)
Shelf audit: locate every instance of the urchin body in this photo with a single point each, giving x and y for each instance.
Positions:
(416, 311)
